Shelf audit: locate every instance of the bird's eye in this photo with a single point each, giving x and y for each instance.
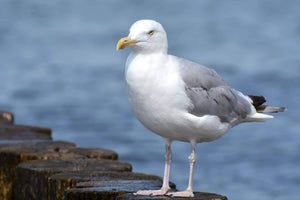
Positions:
(150, 32)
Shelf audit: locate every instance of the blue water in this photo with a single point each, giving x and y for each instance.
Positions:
(60, 69)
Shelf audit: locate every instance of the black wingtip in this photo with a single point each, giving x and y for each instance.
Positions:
(257, 100)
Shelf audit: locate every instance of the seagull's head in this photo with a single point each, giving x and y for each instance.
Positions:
(146, 36)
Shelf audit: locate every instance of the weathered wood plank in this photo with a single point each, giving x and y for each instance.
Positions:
(32, 176)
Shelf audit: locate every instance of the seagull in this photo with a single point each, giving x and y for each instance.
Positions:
(179, 99)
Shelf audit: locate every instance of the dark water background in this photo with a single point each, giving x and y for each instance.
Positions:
(60, 69)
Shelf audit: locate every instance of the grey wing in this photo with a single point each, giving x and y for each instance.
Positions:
(211, 95)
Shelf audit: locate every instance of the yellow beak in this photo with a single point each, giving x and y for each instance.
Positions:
(125, 42)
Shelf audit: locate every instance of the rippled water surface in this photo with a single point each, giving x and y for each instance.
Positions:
(60, 69)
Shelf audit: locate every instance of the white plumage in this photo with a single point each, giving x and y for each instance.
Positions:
(179, 99)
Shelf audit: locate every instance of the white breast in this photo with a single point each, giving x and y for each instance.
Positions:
(151, 82)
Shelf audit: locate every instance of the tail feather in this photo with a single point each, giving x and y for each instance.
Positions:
(269, 109)
(257, 102)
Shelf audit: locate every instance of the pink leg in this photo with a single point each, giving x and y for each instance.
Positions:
(165, 187)
(189, 191)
